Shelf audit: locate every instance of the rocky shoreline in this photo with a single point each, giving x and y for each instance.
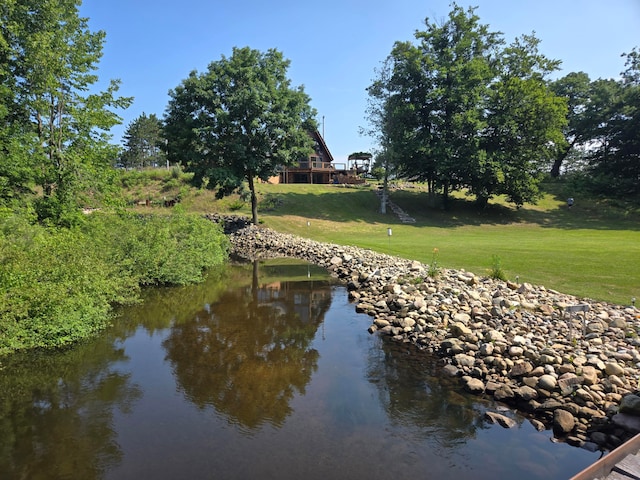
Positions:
(535, 349)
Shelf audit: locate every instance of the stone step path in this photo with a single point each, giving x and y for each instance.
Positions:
(401, 214)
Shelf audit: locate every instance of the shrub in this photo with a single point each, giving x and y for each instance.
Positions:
(58, 285)
(496, 271)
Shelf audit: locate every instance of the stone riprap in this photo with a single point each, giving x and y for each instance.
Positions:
(576, 373)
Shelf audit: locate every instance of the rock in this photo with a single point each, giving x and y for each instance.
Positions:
(589, 375)
(459, 329)
(486, 349)
(527, 393)
(450, 370)
(520, 369)
(563, 421)
(474, 385)
(547, 382)
(537, 424)
(503, 393)
(500, 419)
(463, 360)
(630, 404)
(630, 423)
(613, 368)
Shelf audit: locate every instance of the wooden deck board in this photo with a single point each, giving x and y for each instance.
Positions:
(616, 476)
(603, 468)
(630, 466)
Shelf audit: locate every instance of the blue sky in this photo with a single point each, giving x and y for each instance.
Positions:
(334, 45)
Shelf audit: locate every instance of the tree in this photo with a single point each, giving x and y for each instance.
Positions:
(144, 143)
(574, 87)
(240, 120)
(612, 126)
(48, 56)
(457, 101)
(525, 121)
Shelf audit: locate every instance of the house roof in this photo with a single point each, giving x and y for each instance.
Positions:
(318, 138)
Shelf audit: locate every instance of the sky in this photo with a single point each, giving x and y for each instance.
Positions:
(334, 45)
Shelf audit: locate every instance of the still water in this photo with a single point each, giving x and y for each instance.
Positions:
(265, 371)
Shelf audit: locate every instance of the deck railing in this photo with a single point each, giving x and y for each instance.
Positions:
(315, 165)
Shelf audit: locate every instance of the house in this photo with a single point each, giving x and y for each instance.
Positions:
(318, 168)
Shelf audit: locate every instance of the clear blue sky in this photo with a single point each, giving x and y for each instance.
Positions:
(334, 46)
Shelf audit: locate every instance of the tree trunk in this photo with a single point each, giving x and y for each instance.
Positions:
(445, 196)
(385, 192)
(254, 199)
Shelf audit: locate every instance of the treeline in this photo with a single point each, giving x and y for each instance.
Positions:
(61, 271)
(461, 110)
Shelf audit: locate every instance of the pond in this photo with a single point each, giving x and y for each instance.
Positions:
(263, 371)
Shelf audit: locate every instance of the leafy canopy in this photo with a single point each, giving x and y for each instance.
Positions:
(238, 121)
(53, 132)
(459, 110)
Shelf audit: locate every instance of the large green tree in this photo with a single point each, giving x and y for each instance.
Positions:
(575, 88)
(524, 125)
(469, 113)
(238, 121)
(53, 124)
(144, 143)
(612, 127)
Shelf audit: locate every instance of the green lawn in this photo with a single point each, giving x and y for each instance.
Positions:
(591, 250)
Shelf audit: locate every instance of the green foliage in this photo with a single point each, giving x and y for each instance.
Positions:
(434, 268)
(52, 132)
(156, 249)
(458, 110)
(602, 134)
(496, 271)
(144, 143)
(236, 205)
(58, 285)
(378, 173)
(239, 120)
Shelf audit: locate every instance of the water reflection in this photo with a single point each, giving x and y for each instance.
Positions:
(250, 377)
(236, 378)
(56, 412)
(409, 386)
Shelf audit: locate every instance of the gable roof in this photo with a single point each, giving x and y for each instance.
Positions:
(318, 138)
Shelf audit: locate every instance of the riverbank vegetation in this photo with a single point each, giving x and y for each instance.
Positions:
(58, 285)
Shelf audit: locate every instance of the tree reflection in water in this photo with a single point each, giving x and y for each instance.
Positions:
(57, 409)
(255, 344)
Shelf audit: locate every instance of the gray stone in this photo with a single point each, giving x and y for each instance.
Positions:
(547, 382)
(630, 404)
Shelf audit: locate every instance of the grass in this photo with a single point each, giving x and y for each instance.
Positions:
(591, 250)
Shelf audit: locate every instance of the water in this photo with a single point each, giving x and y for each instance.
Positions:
(265, 371)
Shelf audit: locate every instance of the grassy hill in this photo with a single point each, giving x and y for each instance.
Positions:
(591, 250)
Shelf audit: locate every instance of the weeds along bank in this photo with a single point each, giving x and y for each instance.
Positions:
(576, 373)
(58, 285)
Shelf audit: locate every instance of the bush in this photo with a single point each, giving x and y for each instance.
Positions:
(58, 286)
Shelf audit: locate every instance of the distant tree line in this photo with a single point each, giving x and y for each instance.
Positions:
(461, 110)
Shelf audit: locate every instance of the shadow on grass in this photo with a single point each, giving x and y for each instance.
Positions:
(362, 205)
